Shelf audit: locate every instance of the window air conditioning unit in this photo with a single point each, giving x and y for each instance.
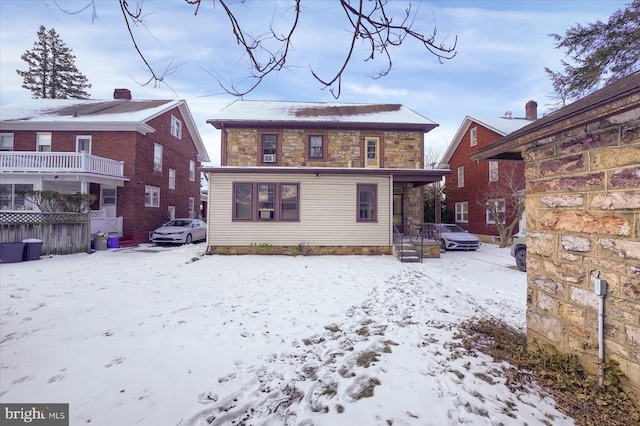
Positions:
(269, 158)
(265, 214)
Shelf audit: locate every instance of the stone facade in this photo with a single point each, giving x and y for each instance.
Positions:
(583, 219)
(299, 250)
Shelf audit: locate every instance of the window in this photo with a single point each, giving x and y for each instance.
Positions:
(172, 179)
(269, 148)
(462, 212)
(176, 127)
(315, 146)
(11, 197)
(157, 157)
(83, 144)
(151, 196)
(367, 200)
(6, 141)
(108, 197)
(496, 207)
(473, 137)
(461, 177)
(242, 201)
(43, 142)
(192, 170)
(493, 171)
(192, 207)
(372, 149)
(272, 201)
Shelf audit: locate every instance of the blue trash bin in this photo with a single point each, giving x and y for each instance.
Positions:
(32, 249)
(11, 252)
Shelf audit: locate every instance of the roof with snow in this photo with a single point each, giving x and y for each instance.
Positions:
(501, 125)
(319, 114)
(95, 115)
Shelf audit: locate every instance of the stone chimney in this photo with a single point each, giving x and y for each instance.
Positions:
(126, 94)
(531, 109)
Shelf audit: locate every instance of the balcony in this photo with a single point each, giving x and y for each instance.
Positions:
(59, 162)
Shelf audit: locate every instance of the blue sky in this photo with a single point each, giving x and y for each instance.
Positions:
(502, 49)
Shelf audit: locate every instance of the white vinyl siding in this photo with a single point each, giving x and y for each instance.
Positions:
(327, 212)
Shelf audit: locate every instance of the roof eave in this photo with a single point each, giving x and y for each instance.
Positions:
(294, 124)
(84, 126)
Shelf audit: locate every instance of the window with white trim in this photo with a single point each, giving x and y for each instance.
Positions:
(461, 177)
(176, 127)
(493, 171)
(83, 143)
(192, 207)
(462, 212)
(192, 170)
(473, 137)
(157, 157)
(496, 207)
(43, 142)
(151, 196)
(172, 179)
(6, 141)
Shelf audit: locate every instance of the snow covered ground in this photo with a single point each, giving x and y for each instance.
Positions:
(166, 336)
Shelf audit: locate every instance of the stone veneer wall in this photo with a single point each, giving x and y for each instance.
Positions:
(300, 250)
(583, 217)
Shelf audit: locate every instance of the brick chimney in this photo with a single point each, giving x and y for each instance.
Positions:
(531, 109)
(126, 94)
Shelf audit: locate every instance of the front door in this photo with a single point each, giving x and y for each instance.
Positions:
(398, 217)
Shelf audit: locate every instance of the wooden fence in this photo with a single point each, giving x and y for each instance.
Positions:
(61, 233)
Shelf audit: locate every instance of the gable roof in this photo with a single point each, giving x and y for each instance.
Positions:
(95, 115)
(501, 125)
(619, 96)
(319, 114)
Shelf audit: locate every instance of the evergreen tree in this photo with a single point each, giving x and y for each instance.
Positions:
(52, 72)
(602, 52)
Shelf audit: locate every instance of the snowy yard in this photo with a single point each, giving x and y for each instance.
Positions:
(165, 336)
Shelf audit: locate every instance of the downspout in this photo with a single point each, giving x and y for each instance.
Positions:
(600, 289)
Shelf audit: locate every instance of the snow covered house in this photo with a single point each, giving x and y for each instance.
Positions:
(473, 183)
(139, 157)
(324, 177)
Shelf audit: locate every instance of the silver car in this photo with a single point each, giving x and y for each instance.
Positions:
(452, 237)
(181, 231)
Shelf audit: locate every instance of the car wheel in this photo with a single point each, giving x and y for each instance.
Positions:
(443, 245)
(521, 260)
(188, 239)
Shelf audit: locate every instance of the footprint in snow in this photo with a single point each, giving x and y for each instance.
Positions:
(115, 361)
(56, 378)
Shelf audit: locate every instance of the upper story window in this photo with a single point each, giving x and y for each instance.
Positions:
(493, 171)
(316, 145)
(473, 137)
(269, 148)
(192, 170)
(43, 142)
(372, 152)
(157, 157)
(461, 177)
(367, 202)
(462, 212)
(172, 179)
(176, 127)
(151, 196)
(83, 144)
(6, 141)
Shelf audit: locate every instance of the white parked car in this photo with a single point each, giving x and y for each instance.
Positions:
(453, 237)
(182, 231)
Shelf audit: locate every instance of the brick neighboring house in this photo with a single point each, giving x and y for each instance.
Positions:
(331, 178)
(473, 182)
(139, 157)
(582, 167)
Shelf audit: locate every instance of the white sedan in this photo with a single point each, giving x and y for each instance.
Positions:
(453, 237)
(182, 231)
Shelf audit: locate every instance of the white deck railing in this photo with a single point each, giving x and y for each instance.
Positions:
(59, 162)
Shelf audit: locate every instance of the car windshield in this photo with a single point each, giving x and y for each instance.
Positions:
(179, 223)
(451, 228)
